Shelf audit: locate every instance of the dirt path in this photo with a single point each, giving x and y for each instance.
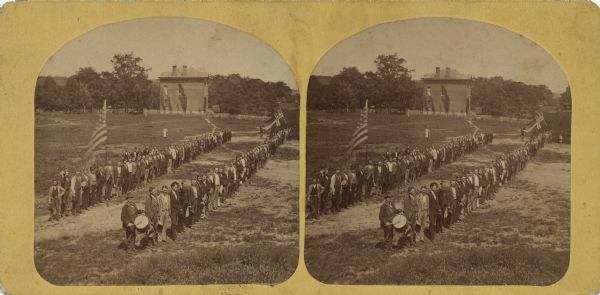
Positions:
(107, 216)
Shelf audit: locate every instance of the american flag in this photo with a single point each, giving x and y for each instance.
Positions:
(99, 135)
(278, 117)
(276, 120)
(474, 127)
(360, 135)
(211, 124)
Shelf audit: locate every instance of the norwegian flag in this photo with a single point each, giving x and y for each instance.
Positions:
(361, 134)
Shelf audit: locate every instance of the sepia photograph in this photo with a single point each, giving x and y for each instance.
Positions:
(438, 153)
(166, 153)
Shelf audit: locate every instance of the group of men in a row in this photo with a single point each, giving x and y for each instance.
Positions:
(187, 202)
(70, 194)
(330, 193)
(442, 204)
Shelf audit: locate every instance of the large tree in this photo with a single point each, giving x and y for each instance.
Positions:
(396, 88)
(130, 81)
(84, 89)
(48, 95)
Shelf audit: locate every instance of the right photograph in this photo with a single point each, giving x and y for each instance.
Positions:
(438, 153)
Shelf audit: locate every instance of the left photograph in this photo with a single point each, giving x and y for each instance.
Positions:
(166, 153)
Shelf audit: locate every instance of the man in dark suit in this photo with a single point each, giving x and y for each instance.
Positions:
(387, 211)
(185, 200)
(176, 225)
(435, 212)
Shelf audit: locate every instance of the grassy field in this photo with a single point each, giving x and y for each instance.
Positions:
(521, 237)
(252, 239)
(328, 134)
(61, 139)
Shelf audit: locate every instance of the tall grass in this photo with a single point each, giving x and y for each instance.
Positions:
(478, 266)
(237, 265)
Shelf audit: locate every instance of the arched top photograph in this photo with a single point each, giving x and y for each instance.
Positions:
(153, 137)
(438, 153)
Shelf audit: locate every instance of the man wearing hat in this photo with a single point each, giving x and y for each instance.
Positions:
(314, 198)
(151, 208)
(128, 214)
(387, 211)
(324, 182)
(435, 211)
(176, 210)
(54, 200)
(335, 189)
(164, 207)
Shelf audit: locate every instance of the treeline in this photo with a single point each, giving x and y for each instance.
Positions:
(244, 95)
(127, 87)
(498, 97)
(390, 86)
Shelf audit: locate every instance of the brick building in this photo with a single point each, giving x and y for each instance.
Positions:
(184, 89)
(447, 90)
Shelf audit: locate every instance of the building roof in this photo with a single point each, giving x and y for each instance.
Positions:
(447, 74)
(191, 72)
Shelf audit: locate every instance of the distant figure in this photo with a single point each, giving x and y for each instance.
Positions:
(427, 133)
(165, 133)
(522, 134)
(560, 138)
(261, 130)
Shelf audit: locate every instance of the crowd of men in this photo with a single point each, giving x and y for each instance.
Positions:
(429, 210)
(95, 184)
(331, 193)
(172, 209)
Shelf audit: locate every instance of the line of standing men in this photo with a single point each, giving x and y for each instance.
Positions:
(171, 209)
(431, 209)
(98, 183)
(330, 193)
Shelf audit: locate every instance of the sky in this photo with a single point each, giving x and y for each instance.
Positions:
(163, 42)
(470, 47)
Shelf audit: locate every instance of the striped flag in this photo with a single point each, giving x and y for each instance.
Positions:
(210, 123)
(474, 127)
(278, 117)
(360, 135)
(276, 120)
(100, 134)
(537, 123)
